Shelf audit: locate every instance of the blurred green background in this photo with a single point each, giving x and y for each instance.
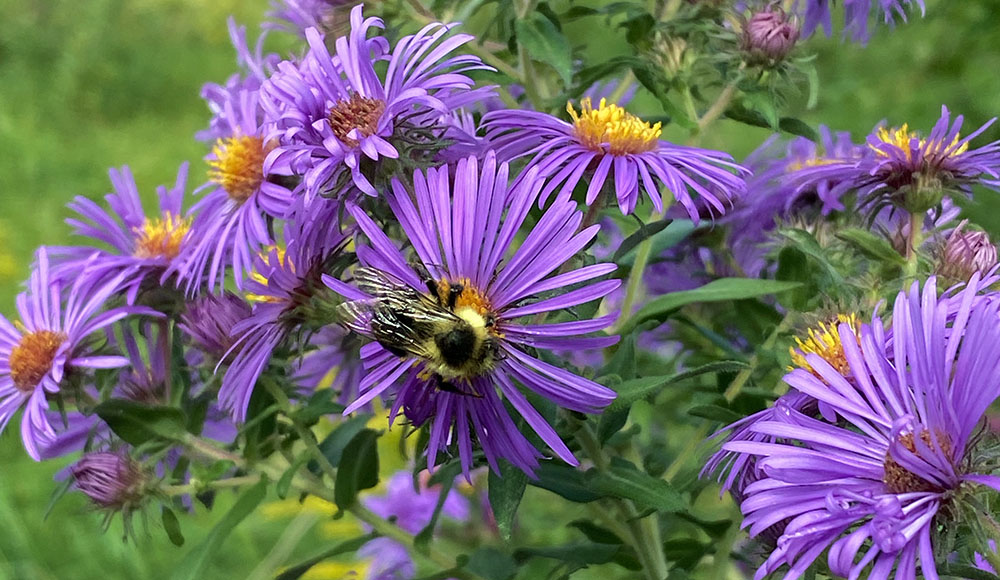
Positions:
(87, 85)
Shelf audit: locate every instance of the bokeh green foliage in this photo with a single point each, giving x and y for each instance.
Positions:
(89, 85)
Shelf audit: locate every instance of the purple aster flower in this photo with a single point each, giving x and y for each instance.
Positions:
(412, 507)
(480, 283)
(111, 479)
(287, 293)
(332, 113)
(230, 225)
(606, 142)
(141, 246)
(50, 340)
(913, 172)
(333, 361)
(295, 16)
(208, 321)
(857, 14)
(868, 489)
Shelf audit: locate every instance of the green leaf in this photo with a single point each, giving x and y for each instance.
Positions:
(719, 290)
(715, 413)
(333, 444)
(545, 43)
(565, 481)
(611, 422)
(505, 491)
(298, 570)
(685, 552)
(646, 231)
(192, 566)
(806, 243)
(871, 245)
(491, 564)
(172, 526)
(623, 480)
(596, 533)
(798, 127)
(137, 423)
(631, 391)
(673, 234)
(714, 528)
(358, 468)
(319, 405)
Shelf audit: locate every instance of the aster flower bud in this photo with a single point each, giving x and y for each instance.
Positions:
(769, 35)
(209, 320)
(111, 480)
(966, 252)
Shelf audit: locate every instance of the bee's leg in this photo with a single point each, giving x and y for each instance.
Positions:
(454, 291)
(450, 387)
(489, 321)
(427, 279)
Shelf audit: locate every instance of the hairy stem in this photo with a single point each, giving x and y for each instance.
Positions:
(913, 242)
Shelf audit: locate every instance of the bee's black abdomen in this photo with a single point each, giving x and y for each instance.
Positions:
(457, 345)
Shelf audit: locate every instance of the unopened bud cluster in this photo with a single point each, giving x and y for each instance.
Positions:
(768, 36)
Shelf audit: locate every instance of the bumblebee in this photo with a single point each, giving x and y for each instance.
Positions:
(451, 327)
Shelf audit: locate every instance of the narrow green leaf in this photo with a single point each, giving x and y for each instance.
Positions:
(333, 444)
(685, 552)
(297, 571)
(715, 413)
(137, 423)
(806, 243)
(565, 481)
(646, 231)
(172, 526)
(871, 245)
(192, 567)
(505, 491)
(719, 290)
(798, 127)
(631, 391)
(623, 480)
(622, 363)
(358, 468)
(545, 43)
(596, 533)
(581, 554)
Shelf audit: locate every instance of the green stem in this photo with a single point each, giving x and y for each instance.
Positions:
(634, 286)
(390, 530)
(191, 488)
(643, 532)
(730, 395)
(912, 246)
(626, 83)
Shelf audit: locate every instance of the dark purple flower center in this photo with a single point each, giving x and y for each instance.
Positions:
(361, 113)
(32, 358)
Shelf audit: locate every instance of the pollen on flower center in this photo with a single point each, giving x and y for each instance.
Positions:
(361, 113)
(468, 296)
(902, 137)
(824, 341)
(161, 237)
(610, 125)
(238, 166)
(898, 479)
(32, 358)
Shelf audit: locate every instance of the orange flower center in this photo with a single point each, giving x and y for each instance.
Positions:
(900, 480)
(32, 358)
(361, 113)
(161, 238)
(238, 166)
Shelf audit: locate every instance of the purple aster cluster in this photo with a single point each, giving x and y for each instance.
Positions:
(876, 444)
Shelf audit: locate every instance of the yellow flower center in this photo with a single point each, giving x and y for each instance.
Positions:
(359, 113)
(256, 276)
(825, 342)
(611, 125)
(814, 162)
(902, 137)
(238, 166)
(469, 297)
(161, 237)
(32, 358)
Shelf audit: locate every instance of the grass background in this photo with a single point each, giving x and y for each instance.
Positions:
(87, 85)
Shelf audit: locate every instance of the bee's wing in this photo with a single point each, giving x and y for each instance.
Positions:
(357, 315)
(379, 284)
